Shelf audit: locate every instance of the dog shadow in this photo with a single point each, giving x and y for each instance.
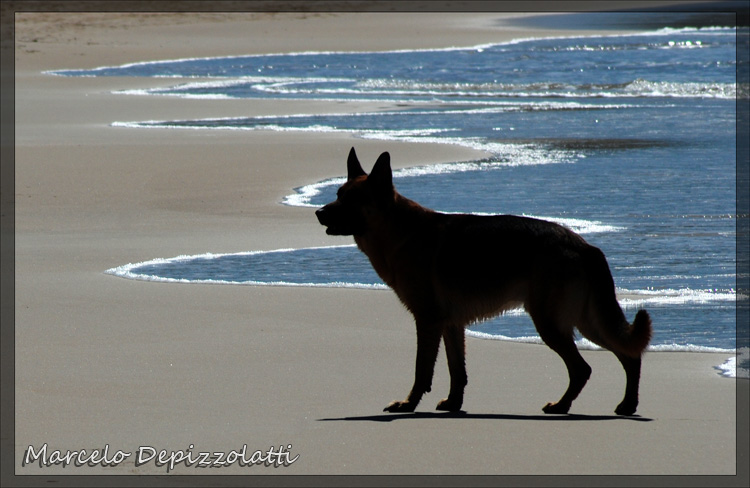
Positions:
(391, 417)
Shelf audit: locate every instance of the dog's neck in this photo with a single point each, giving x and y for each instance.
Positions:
(399, 226)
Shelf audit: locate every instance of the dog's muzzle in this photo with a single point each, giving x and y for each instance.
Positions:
(321, 215)
(324, 217)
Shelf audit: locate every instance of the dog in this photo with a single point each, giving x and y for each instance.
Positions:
(451, 270)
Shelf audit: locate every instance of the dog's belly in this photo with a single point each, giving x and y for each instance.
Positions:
(465, 301)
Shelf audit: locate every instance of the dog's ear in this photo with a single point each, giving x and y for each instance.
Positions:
(354, 169)
(381, 175)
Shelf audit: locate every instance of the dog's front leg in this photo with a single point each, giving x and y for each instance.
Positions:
(455, 350)
(428, 343)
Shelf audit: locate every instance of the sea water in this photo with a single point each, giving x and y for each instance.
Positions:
(628, 140)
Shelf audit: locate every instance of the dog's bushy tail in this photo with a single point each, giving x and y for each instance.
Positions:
(618, 335)
(637, 335)
(622, 337)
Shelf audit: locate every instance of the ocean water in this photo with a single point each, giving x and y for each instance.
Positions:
(628, 140)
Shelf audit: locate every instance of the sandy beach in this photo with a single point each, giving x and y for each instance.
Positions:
(104, 361)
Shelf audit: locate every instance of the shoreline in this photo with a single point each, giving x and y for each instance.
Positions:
(124, 363)
(130, 271)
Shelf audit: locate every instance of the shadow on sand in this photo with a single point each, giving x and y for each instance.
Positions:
(390, 417)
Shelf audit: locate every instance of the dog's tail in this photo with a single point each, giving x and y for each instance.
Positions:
(634, 338)
(616, 333)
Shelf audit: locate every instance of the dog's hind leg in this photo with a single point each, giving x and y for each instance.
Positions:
(455, 350)
(578, 369)
(632, 368)
(428, 343)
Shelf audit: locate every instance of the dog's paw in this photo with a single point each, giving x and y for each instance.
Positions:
(626, 409)
(556, 408)
(397, 406)
(449, 405)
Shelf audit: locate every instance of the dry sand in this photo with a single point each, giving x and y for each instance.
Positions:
(103, 361)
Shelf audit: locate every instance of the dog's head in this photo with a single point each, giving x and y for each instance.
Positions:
(359, 199)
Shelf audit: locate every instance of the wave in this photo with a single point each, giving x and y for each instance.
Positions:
(683, 296)
(227, 124)
(329, 89)
(634, 89)
(304, 195)
(240, 269)
(513, 155)
(645, 88)
(667, 31)
(521, 153)
(627, 298)
(736, 366)
(248, 78)
(134, 271)
(586, 344)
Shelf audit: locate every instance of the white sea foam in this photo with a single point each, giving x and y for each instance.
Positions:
(306, 193)
(130, 271)
(683, 296)
(737, 366)
(261, 83)
(645, 88)
(579, 226)
(512, 154)
(499, 337)
(235, 123)
(586, 344)
(636, 89)
(727, 369)
(482, 93)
